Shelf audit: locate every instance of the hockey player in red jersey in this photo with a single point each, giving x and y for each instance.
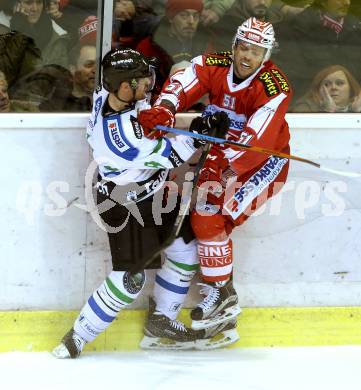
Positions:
(255, 94)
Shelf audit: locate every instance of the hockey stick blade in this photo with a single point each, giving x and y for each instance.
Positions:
(257, 149)
(183, 211)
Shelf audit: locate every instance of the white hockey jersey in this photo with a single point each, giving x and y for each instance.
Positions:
(124, 155)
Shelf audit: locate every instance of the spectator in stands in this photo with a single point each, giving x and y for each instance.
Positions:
(76, 96)
(47, 88)
(83, 67)
(70, 15)
(323, 34)
(213, 10)
(177, 38)
(290, 11)
(18, 55)
(32, 19)
(134, 20)
(11, 105)
(241, 10)
(333, 89)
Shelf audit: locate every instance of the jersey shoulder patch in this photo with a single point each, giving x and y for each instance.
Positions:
(281, 80)
(274, 82)
(270, 85)
(222, 58)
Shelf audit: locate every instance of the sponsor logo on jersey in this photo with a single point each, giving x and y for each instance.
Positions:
(244, 196)
(236, 124)
(281, 80)
(175, 159)
(270, 85)
(138, 131)
(133, 283)
(116, 139)
(237, 121)
(154, 184)
(219, 59)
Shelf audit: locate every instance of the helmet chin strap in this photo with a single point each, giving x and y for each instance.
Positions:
(133, 85)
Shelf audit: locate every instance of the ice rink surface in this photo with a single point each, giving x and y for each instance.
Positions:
(311, 368)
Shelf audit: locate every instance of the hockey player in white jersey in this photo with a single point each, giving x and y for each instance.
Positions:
(132, 169)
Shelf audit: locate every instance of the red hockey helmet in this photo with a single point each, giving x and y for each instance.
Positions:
(258, 33)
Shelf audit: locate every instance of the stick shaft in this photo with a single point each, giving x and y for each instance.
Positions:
(257, 149)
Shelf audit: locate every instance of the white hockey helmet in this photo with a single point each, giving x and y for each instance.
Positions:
(258, 33)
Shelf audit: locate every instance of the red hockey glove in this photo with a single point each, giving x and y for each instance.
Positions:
(212, 171)
(157, 115)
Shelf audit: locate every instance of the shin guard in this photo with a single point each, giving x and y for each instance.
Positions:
(174, 278)
(119, 290)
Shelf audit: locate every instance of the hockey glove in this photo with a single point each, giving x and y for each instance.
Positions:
(157, 115)
(216, 124)
(213, 169)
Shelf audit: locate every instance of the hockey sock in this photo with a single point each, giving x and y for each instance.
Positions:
(174, 278)
(118, 290)
(215, 260)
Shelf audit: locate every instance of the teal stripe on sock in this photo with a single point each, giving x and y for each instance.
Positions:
(118, 293)
(185, 267)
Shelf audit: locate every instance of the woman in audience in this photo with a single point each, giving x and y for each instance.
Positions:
(333, 89)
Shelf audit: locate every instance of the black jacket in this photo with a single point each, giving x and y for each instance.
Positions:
(18, 56)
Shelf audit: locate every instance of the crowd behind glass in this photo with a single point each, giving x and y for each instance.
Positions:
(48, 54)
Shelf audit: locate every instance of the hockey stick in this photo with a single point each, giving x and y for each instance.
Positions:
(183, 211)
(256, 149)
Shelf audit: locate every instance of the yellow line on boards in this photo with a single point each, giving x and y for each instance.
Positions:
(258, 327)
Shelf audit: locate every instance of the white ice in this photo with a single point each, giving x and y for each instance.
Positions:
(325, 368)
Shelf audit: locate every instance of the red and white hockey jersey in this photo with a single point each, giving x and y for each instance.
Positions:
(256, 107)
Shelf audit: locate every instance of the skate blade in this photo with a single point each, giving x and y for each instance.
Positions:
(221, 340)
(226, 315)
(165, 344)
(61, 352)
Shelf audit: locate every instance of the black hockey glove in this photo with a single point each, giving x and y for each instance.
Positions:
(216, 124)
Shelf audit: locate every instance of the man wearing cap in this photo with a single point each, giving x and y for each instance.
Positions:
(177, 38)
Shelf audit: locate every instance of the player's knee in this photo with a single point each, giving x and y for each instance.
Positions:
(124, 286)
(208, 227)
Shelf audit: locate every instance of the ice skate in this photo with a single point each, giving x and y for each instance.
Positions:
(219, 336)
(219, 305)
(160, 332)
(71, 346)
